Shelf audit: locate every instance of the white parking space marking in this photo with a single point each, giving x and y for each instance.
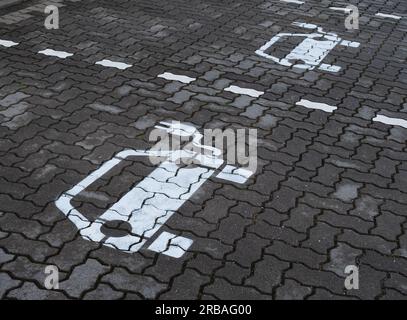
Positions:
(176, 77)
(53, 53)
(293, 1)
(114, 64)
(245, 91)
(391, 121)
(384, 15)
(346, 10)
(7, 43)
(170, 245)
(316, 105)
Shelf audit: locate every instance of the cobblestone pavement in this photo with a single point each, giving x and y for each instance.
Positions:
(330, 189)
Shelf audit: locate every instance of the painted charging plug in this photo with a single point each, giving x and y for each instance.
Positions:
(147, 207)
(312, 50)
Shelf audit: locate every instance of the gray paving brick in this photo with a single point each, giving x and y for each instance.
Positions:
(83, 278)
(7, 283)
(292, 290)
(148, 287)
(222, 289)
(29, 291)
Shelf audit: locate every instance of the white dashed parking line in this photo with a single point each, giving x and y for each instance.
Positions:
(114, 64)
(391, 121)
(316, 105)
(346, 10)
(293, 1)
(245, 91)
(176, 77)
(233, 89)
(7, 43)
(53, 53)
(385, 15)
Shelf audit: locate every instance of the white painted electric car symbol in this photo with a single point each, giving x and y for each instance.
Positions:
(155, 199)
(311, 51)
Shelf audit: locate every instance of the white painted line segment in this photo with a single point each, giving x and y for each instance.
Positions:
(391, 121)
(293, 1)
(53, 53)
(7, 43)
(177, 245)
(315, 105)
(384, 15)
(114, 64)
(346, 10)
(305, 25)
(351, 44)
(176, 77)
(245, 91)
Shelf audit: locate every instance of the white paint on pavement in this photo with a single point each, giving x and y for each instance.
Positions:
(233, 174)
(346, 10)
(53, 53)
(391, 121)
(114, 64)
(311, 52)
(305, 25)
(146, 207)
(7, 43)
(384, 15)
(170, 245)
(315, 105)
(149, 204)
(329, 68)
(351, 44)
(245, 91)
(176, 77)
(293, 1)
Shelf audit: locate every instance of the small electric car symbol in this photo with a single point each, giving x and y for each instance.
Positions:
(148, 205)
(311, 51)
